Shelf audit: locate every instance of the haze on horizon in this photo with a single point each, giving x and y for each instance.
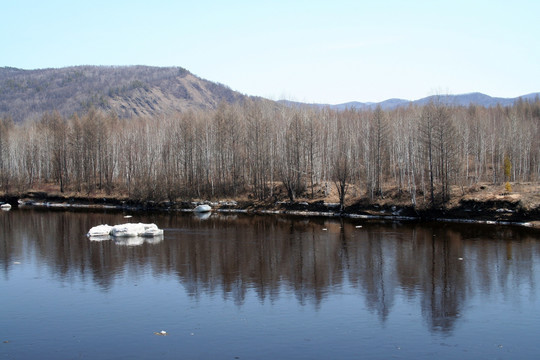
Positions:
(304, 51)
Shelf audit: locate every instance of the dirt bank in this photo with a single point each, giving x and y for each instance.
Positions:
(480, 204)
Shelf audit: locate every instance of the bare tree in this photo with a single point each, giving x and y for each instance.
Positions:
(379, 140)
(342, 174)
(6, 126)
(292, 171)
(427, 129)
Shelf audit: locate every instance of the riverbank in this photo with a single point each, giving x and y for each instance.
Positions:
(484, 204)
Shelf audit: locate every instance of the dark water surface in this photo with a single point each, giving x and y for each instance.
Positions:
(265, 287)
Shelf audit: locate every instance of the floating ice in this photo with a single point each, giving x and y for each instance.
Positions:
(140, 231)
(151, 230)
(127, 230)
(100, 230)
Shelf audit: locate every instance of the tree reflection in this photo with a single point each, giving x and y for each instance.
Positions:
(443, 289)
(440, 266)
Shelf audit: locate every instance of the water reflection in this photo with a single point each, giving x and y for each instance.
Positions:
(202, 215)
(439, 266)
(137, 240)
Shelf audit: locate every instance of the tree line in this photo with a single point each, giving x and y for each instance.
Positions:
(267, 151)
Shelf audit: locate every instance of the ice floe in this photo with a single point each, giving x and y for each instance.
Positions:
(100, 230)
(127, 230)
(134, 234)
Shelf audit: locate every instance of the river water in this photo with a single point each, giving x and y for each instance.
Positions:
(266, 287)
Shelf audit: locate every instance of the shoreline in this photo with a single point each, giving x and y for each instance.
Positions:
(469, 212)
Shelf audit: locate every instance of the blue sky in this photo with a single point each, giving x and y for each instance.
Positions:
(312, 51)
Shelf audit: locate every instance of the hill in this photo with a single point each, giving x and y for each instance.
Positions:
(126, 90)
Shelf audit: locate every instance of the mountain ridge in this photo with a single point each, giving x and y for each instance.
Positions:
(476, 98)
(139, 90)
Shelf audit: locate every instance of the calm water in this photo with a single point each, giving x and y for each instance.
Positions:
(264, 287)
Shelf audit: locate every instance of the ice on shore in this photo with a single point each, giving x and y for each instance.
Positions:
(203, 208)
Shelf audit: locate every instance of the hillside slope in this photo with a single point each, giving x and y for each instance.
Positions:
(126, 90)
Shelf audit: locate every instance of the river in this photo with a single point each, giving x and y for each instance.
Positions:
(266, 287)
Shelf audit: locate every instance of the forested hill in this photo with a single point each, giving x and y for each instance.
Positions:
(126, 90)
(152, 91)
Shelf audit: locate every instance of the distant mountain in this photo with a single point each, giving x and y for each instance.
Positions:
(475, 98)
(126, 90)
(452, 100)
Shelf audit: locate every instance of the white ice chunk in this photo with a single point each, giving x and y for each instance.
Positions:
(136, 232)
(151, 230)
(100, 230)
(127, 230)
(203, 208)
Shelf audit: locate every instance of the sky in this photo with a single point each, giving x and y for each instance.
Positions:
(328, 52)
